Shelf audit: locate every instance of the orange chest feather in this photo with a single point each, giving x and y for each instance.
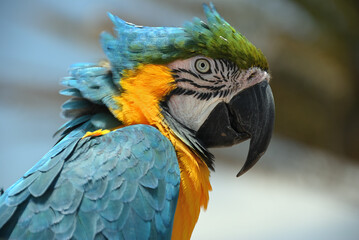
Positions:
(142, 91)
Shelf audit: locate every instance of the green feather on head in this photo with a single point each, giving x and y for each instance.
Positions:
(216, 39)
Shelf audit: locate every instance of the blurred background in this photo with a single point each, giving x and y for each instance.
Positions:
(307, 184)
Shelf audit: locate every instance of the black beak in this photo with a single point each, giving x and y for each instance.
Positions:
(249, 114)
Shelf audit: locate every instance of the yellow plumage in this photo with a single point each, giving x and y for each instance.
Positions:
(142, 91)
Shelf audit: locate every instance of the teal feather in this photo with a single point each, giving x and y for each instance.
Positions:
(116, 182)
(68, 126)
(76, 104)
(136, 228)
(156, 197)
(117, 193)
(113, 210)
(92, 86)
(75, 203)
(100, 236)
(88, 205)
(70, 139)
(99, 227)
(37, 205)
(18, 198)
(40, 185)
(149, 181)
(104, 121)
(5, 211)
(142, 207)
(73, 92)
(61, 197)
(85, 225)
(62, 226)
(21, 184)
(159, 224)
(69, 232)
(121, 221)
(165, 213)
(86, 193)
(113, 234)
(97, 189)
(130, 191)
(41, 221)
(94, 82)
(25, 218)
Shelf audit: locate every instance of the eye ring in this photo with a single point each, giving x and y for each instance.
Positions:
(202, 65)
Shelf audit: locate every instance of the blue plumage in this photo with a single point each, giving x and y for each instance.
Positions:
(97, 187)
(137, 44)
(105, 187)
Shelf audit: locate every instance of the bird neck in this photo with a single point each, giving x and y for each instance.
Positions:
(194, 191)
(139, 103)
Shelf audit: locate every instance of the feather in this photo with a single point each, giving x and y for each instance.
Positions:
(18, 198)
(76, 103)
(96, 187)
(85, 225)
(62, 196)
(40, 185)
(88, 205)
(142, 207)
(21, 184)
(99, 227)
(136, 228)
(119, 191)
(104, 121)
(63, 225)
(73, 92)
(155, 197)
(112, 234)
(67, 227)
(130, 191)
(113, 210)
(149, 181)
(41, 221)
(75, 203)
(5, 213)
(100, 236)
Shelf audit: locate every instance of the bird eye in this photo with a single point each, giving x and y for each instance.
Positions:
(202, 65)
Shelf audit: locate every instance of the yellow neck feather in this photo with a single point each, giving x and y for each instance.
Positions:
(143, 89)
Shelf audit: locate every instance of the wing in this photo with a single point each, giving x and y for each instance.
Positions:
(122, 185)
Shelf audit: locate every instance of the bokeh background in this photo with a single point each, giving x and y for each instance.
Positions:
(305, 187)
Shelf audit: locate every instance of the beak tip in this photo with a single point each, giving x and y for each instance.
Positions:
(252, 159)
(240, 173)
(243, 171)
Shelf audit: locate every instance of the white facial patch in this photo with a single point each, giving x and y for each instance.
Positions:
(190, 111)
(203, 82)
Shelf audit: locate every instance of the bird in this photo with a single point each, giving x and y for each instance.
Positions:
(133, 162)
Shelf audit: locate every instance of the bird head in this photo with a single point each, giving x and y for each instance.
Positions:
(219, 92)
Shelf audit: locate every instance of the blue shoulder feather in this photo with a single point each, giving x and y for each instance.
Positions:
(122, 185)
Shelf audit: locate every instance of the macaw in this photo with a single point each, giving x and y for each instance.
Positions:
(133, 161)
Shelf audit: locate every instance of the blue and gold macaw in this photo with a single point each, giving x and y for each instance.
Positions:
(132, 163)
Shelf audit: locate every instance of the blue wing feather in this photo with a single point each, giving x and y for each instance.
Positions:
(122, 185)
